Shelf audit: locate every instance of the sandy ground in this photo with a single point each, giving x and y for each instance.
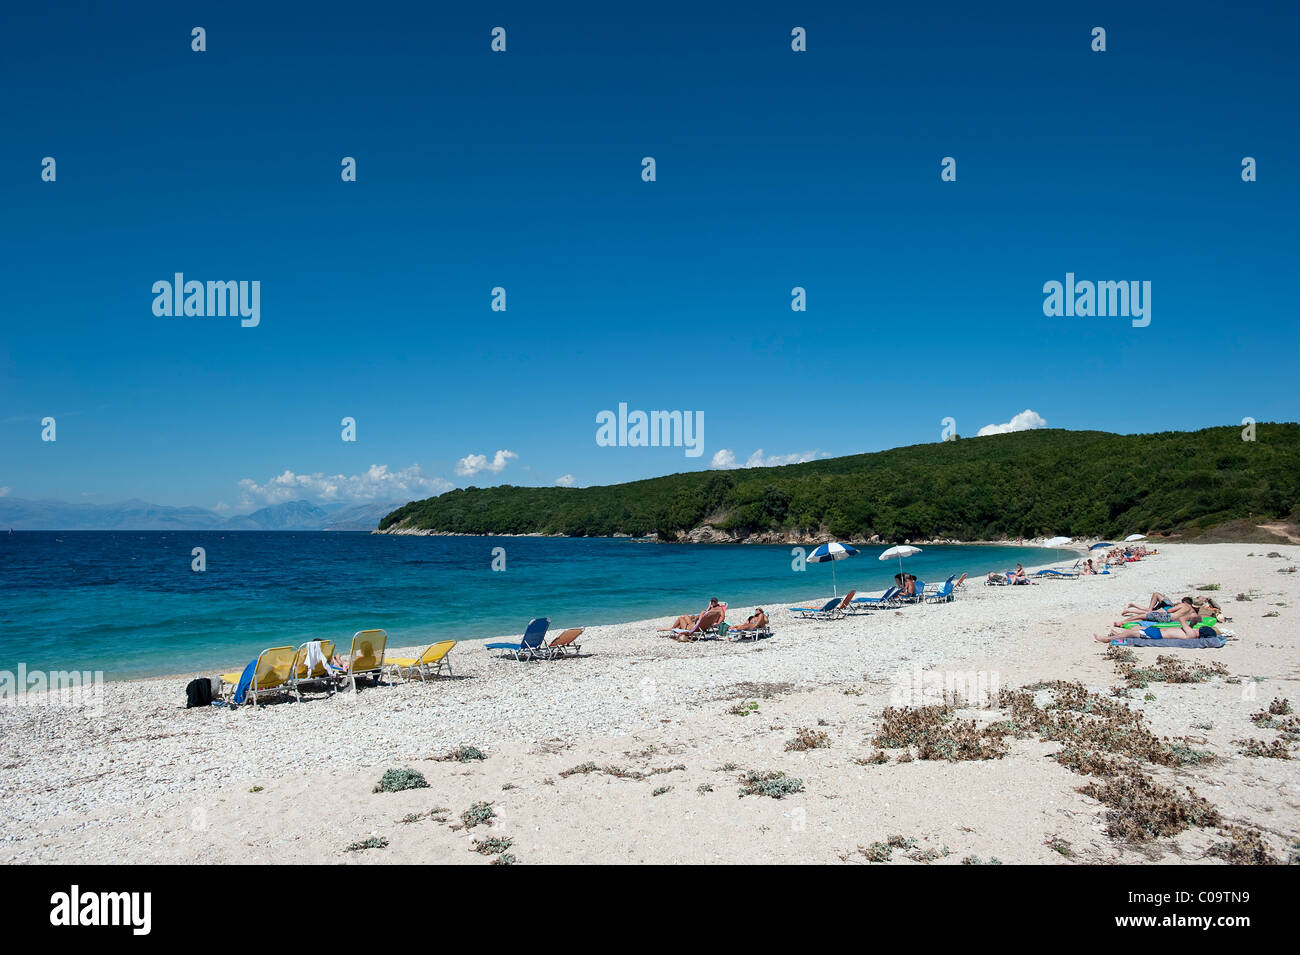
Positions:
(147, 781)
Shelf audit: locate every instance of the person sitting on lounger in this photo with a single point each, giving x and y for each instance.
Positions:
(909, 585)
(1184, 630)
(1019, 576)
(756, 621)
(687, 620)
(1088, 569)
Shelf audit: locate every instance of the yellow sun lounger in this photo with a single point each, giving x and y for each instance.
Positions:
(320, 674)
(431, 661)
(272, 673)
(367, 656)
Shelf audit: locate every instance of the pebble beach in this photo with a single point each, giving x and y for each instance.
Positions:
(672, 729)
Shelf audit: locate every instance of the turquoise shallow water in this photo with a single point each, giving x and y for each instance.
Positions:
(128, 603)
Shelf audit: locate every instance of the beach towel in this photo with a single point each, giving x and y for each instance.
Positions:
(245, 681)
(1184, 642)
(316, 658)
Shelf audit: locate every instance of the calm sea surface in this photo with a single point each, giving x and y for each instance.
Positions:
(127, 602)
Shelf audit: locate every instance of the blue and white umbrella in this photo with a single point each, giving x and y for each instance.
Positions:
(1100, 545)
(833, 551)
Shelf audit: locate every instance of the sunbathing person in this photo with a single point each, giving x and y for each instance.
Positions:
(687, 621)
(1184, 630)
(756, 621)
(1158, 601)
(909, 585)
(1087, 569)
(1185, 609)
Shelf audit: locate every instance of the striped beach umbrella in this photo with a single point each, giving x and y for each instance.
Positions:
(833, 551)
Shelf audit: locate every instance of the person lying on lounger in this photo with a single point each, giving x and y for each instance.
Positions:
(1183, 610)
(687, 620)
(1158, 601)
(1184, 630)
(756, 621)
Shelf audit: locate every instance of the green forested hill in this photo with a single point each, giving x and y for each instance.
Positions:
(1024, 484)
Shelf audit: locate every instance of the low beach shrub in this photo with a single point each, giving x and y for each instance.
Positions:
(397, 780)
(805, 739)
(1243, 847)
(462, 754)
(479, 814)
(1258, 749)
(1062, 846)
(774, 784)
(492, 845)
(937, 734)
(374, 842)
(1140, 809)
(883, 851)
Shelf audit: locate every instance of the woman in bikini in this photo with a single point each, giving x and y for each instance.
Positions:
(756, 621)
(687, 621)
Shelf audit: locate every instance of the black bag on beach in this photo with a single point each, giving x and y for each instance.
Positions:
(198, 693)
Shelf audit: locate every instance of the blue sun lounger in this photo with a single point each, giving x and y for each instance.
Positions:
(531, 644)
(828, 611)
(916, 598)
(942, 595)
(888, 599)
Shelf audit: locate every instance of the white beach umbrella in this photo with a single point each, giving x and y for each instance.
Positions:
(833, 551)
(1134, 537)
(900, 551)
(1057, 541)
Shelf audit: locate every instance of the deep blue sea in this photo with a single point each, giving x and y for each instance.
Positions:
(128, 603)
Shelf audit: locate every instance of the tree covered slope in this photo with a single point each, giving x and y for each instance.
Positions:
(1023, 484)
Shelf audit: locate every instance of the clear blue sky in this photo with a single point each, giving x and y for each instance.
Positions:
(775, 169)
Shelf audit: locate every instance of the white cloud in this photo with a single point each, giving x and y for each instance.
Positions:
(726, 459)
(376, 484)
(472, 464)
(564, 480)
(1025, 421)
(4, 491)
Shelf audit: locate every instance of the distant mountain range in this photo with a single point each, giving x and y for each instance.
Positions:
(137, 515)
